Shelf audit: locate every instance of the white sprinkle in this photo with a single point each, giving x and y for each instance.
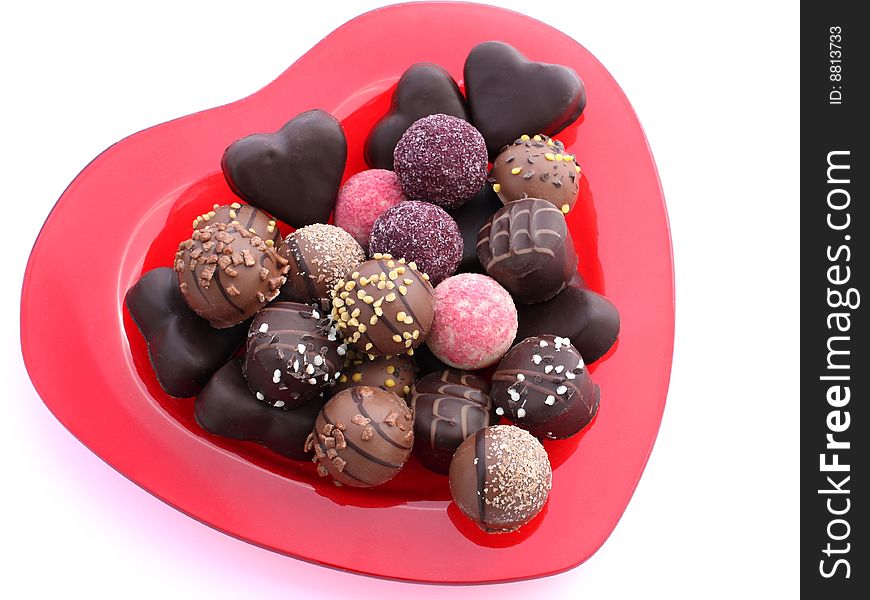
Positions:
(337, 374)
(314, 313)
(276, 376)
(278, 403)
(301, 348)
(580, 364)
(318, 360)
(513, 395)
(296, 366)
(521, 413)
(312, 381)
(550, 401)
(309, 369)
(548, 368)
(260, 396)
(521, 377)
(569, 375)
(561, 389)
(566, 341)
(264, 328)
(536, 359)
(560, 368)
(326, 377)
(475, 460)
(499, 411)
(342, 350)
(543, 344)
(332, 335)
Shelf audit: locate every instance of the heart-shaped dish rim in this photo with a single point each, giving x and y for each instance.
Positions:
(96, 241)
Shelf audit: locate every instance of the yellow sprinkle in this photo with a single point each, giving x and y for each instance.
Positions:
(361, 294)
(390, 297)
(204, 217)
(270, 243)
(550, 142)
(393, 275)
(516, 170)
(537, 138)
(410, 352)
(349, 301)
(372, 357)
(408, 343)
(344, 295)
(409, 320)
(357, 377)
(353, 322)
(369, 346)
(362, 329)
(349, 285)
(386, 256)
(270, 228)
(378, 303)
(406, 335)
(252, 230)
(400, 270)
(355, 313)
(195, 222)
(413, 265)
(363, 281)
(550, 156)
(212, 213)
(379, 312)
(369, 299)
(406, 389)
(390, 285)
(373, 320)
(560, 157)
(578, 168)
(354, 275)
(567, 157)
(565, 208)
(338, 303)
(416, 334)
(401, 261)
(496, 187)
(343, 379)
(390, 383)
(381, 285)
(403, 290)
(390, 264)
(425, 276)
(401, 315)
(377, 256)
(233, 214)
(271, 223)
(390, 369)
(397, 338)
(525, 137)
(408, 281)
(235, 205)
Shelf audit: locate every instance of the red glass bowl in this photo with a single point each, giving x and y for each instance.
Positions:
(127, 210)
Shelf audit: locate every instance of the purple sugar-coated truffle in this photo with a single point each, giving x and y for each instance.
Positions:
(441, 159)
(419, 232)
(363, 198)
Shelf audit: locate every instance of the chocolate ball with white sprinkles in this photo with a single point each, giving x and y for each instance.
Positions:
(293, 353)
(250, 217)
(543, 385)
(226, 273)
(385, 307)
(362, 437)
(390, 373)
(536, 167)
(500, 478)
(448, 406)
(320, 255)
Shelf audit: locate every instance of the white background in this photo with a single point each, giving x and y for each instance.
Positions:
(716, 513)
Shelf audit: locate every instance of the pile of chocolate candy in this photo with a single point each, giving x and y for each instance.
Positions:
(444, 298)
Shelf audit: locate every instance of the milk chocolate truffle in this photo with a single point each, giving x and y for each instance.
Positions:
(500, 478)
(227, 407)
(250, 217)
(448, 407)
(385, 307)
(226, 273)
(536, 167)
(293, 354)
(362, 437)
(542, 385)
(526, 247)
(441, 159)
(320, 255)
(420, 232)
(390, 373)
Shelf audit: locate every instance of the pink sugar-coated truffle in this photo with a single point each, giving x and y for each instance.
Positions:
(475, 321)
(363, 198)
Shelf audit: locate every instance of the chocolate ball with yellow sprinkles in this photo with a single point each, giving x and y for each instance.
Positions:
(395, 374)
(536, 167)
(250, 217)
(226, 273)
(384, 307)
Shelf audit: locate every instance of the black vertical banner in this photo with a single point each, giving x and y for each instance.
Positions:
(835, 362)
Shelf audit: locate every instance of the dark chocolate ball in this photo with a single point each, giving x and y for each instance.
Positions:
(390, 373)
(526, 247)
(500, 478)
(542, 385)
(250, 217)
(448, 407)
(419, 232)
(536, 167)
(226, 273)
(293, 353)
(320, 255)
(385, 307)
(362, 437)
(441, 159)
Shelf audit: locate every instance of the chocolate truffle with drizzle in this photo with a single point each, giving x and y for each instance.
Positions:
(448, 407)
(500, 478)
(293, 353)
(536, 167)
(226, 273)
(542, 385)
(385, 307)
(362, 437)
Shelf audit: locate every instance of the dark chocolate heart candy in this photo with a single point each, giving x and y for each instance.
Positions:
(183, 348)
(509, 95)
(587, 318)
(226, 407)
(424, 89)
(470, 217)
(294, 173)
